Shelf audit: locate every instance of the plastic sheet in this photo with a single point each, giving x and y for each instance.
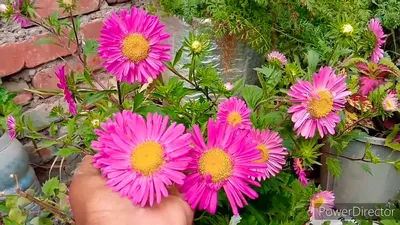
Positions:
(231, 58)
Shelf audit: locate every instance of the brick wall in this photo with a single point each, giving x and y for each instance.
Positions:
(25, 64)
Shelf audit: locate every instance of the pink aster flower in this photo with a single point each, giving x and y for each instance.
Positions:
(139, 157)
(131, 44)
(321, 202)
(316, 104)
(275, 55)
(376, 28)
(68, 97)
(227, 161)
(234, 111)
(18, 17)
(269, 143)
(390, 103)
(11, 127)
(298, 167)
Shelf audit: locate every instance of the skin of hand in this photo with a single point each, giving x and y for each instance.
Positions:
(93, 203)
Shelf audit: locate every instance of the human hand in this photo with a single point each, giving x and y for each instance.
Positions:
(93, 203)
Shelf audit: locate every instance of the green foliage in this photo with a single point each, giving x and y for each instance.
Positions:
(334, 167)
(7, 107)
(252, 95)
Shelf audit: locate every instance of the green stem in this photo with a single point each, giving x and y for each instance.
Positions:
(120, 97)
(394, 40)
(333, 52)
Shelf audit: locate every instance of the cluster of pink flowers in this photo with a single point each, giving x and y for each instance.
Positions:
(142, 157)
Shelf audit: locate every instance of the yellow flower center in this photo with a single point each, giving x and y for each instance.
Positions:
(264, 153)
(318, 202)
(147, 158)
(135, 47)
(322, 106)
(234, 118)
(217, 163)
(196, 46)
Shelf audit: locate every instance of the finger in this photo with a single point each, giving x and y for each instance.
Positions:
(86, 167)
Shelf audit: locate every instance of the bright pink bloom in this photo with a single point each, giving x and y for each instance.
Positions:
(273, 154)
(68, 97)
(367, 85)
(376, 28)
(227, 161)
(391, 102)
(321, 202)
(18, 17)
(12, 127)
(316, 104)
(275, 55)
(141, 158)
(298, 167)
(131, 44)
(234, 111)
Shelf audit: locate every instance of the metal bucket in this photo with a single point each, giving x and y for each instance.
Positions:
(356, 186)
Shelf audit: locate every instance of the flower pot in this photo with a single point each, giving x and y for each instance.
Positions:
(14, 160)
(356, 186)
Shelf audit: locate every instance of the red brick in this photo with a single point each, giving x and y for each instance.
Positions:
(45, 79)
(46, 7)
(116, 1)
(11, 60)
(93, 62)
(23, 98)
(37, 54)
(92, 29)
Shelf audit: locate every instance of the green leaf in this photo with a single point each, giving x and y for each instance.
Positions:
(137, 101)
(21, 202)
(126, 88)
(9, 222)
(397, 165)
(90, 47)
(366, 167)
(257, 214)
(334, 167)
(370, 155)
(16, 215)
(67, 151)
(389, 142)
(312, 60)
(252, 95)
(11, 201)
(93, 98)
(48, 143)
(326, 223)
(178, 56)
(41, 221)
(88, 76)
(44, 41)
(272, 118)
(50, 187)
(3, 208)
(62, 187)
(389, 222)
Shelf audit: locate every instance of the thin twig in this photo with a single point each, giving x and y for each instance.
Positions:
(345, 157)
(55, 211)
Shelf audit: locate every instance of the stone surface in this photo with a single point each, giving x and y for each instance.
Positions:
(15, 86)
(45, 79)
(11, 59)
(40, 114)
(23, 98)
(46, 7)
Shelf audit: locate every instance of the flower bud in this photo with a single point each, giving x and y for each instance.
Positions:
(196, 46)
(3, 8)
(347, 29)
